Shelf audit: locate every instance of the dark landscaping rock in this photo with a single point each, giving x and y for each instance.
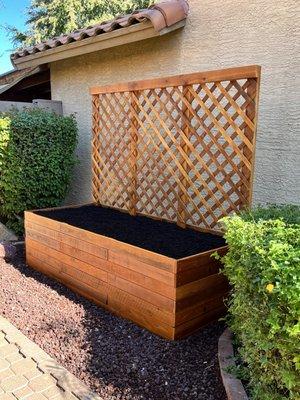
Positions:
(6, 234)
(114, 357)
(7, 250)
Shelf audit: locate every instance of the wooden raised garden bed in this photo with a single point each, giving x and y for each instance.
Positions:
(170, 157)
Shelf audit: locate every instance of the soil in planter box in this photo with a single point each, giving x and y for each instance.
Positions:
(161, 237)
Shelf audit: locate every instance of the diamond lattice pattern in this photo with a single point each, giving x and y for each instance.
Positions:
(180, 153)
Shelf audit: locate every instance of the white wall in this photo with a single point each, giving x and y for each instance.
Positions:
(218, 34)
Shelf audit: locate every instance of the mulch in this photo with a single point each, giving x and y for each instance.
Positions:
(115, 358)
(158, 236)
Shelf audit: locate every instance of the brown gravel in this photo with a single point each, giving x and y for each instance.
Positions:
(114, 357)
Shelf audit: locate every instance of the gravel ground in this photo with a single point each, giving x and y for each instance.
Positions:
(115, 358)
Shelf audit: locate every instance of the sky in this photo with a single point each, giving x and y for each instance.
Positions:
(12, 12)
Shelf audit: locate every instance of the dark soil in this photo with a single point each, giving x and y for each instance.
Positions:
(158, 236)
(114, 357)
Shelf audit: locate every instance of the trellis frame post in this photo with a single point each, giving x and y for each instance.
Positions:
(134, 152)
(186, 127)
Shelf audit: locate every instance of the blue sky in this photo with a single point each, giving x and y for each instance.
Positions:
(12, 12)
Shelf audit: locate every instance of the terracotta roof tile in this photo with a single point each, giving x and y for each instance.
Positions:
(162, 15)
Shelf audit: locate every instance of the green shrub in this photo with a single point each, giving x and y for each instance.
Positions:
(287, 213)
(263, 267)
(36, 161)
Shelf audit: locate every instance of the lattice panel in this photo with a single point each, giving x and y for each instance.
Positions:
(179, 149)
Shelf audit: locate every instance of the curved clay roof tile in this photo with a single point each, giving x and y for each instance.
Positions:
(162, 15)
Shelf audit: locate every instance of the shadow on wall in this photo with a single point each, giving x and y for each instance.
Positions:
(117, 359)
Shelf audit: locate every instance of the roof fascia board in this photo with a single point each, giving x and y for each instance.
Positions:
(10, 85)
(134, 33)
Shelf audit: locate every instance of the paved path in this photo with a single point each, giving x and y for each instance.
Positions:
(27, 372)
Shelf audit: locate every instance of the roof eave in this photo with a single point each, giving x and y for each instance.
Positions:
(134, 33)
(5, 88)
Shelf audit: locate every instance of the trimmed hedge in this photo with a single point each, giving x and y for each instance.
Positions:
(263, 267)
(36, 161)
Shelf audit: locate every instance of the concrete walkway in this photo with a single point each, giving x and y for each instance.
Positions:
(27, 372)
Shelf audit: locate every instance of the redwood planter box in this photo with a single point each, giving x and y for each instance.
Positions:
(177, 149)
(171, 296)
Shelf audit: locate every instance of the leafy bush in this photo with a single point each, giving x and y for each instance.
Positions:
(36, 161)
(287, 213)
(263, 267)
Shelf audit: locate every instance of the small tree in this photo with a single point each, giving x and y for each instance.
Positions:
(46, 19)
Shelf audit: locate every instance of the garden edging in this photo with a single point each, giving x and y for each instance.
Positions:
(233, 386)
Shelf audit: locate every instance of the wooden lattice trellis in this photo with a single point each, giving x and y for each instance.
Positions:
(180, 148)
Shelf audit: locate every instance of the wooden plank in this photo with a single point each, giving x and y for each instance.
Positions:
(38, 219)
(69, 260)
(200, 271)
(142, 293)
(141, 312)
(221, 287)
(182, 215)
(193, 325)
(117, 295)
(192, 288)
(251, 112)
(43, 230)
(34, 260)
(60, 269)
(82, 277)
(69, 250)
(46, 240)
(200, 308)
(133, 155)
(114, 299)
(132, 263)
(252, 71)
(203, 258)
(130, 275)
(95, 250)
(99, 294)
(146, 256)
(142, 280)
(58, 208)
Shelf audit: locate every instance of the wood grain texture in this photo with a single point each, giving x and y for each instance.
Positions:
(252, 71)
(180, 148)
(172, 298)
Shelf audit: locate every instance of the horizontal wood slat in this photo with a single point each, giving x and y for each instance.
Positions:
(192, 325)
(67, 259)
(68, 276)
(76, 257)
(252, 71)
(130, 262)
(139, 311)
(171, 302)
(145, 256)
(199, 309)
(163, 303)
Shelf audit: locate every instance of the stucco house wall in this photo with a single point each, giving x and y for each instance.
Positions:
(218, 34)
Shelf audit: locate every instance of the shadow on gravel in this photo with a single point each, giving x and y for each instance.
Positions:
(127, 362)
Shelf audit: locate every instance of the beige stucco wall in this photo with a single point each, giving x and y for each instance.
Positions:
(218, 34)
